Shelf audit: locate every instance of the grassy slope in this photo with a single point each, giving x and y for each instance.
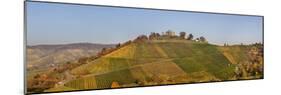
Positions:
(195, 62)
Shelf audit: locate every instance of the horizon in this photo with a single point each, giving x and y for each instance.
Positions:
(52, 23)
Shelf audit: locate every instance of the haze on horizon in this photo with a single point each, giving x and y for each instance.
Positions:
(52, 23)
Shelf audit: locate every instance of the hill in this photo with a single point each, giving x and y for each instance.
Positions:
(46, 55)
(158, 62)
(147, 60)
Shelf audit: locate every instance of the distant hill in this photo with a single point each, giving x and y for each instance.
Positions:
(71, 46)
(47, 55)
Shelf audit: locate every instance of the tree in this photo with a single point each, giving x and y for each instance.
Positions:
(103, 50)
(202, 39)
(141, 38)
(182, 35)
(118, 45)
(115, 84)
(190, 37)
(153, 36)
(157, 35)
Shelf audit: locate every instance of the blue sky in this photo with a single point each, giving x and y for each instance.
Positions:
(52, 23)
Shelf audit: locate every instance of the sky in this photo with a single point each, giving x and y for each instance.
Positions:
(53, 23)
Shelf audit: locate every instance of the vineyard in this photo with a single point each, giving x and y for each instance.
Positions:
(83, 83)
(158, 62)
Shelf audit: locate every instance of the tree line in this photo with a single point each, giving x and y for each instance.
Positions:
(170, 35)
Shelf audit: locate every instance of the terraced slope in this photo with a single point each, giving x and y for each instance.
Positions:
(154, 63)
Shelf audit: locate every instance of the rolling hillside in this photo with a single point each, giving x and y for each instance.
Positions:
(156, 63)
